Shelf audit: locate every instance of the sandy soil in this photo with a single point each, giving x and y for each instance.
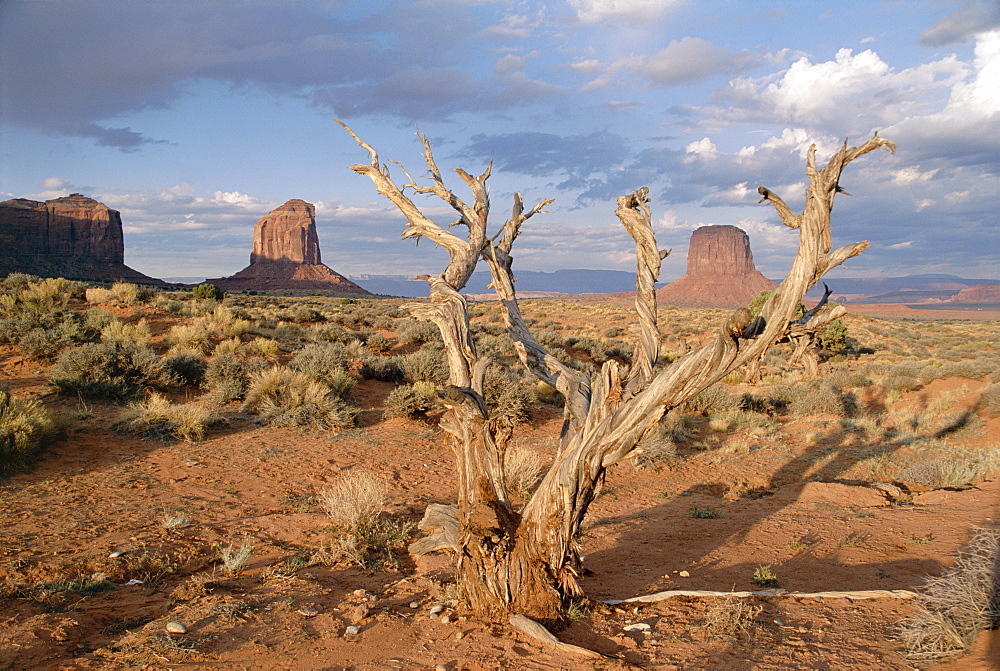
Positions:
(797, 506)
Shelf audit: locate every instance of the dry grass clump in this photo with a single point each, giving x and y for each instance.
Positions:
(118, 331)
(25, 429)
(989, 401)
(956, 469)
(228, 375)
(656, 446)
(157, 417)
(235, 559)
(354, 499)
(284, 397)
(522, 468)
(955, 607)
(107, 370)
(192, 337)
(728, 617)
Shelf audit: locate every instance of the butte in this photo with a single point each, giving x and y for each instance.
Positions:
(720, 272)
(286, 257)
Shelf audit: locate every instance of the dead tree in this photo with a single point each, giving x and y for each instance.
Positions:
(526, 561)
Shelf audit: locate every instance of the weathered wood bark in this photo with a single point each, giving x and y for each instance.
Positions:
(526, 561)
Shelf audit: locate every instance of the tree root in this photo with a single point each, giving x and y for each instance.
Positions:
(857, 595)
(536, 631)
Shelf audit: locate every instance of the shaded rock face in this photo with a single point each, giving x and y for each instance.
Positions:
(73, 236)
(287, 235)
(286, 257)
(720, 271)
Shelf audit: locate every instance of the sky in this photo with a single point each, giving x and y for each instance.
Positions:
(196, 118)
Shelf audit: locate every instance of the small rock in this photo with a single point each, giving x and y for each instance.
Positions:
(414, 604)
(176, 628)
(459, 636)
(437, 609)
(306, 611)
(441, 667)
(351, 631)
(684, 574)
(116, 554)
(445, 619)
(360, 612)
(359, 592)
(638, 626)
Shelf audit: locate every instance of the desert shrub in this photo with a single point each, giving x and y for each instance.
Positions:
(222, 322)
(489, 344)
(506, 395)
(415, 331)
(820, 399)
(26, 428)
(292, 332)
(284, 397)
(228, 376)
(522, 468)
(383, 368)
(409, 401)
(942, 470)
(956, 606)
(209, 292)
(712, 399)
(354, 499)
(41, 344)
(729, 617)
(764, 576)
(17, 282)
(98, 295)
(655, 447)
(227, 346)
(187, 369)
(192, 337)
(320, 360)
(124, 293)
(264, 347)
(833, 336)
(117, 331)
(425, 365)
(378, 343)
(328, 333)
(306, 315)
(157, 417)
(107, 370)
(989, 401)
(549, 339)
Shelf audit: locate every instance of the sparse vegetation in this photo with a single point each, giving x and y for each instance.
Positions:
(284, 397)
(26, 428)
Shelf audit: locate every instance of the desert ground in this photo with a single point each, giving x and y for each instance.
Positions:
(215, 512)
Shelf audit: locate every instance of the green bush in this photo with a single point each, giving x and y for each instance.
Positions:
(208, 291)
(107, 370)
(378, 343)
(25, 430)
(506, 395)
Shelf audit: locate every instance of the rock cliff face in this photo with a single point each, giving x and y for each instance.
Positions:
(720, 271)
(74, 237)
(978, 293)
(286, 257)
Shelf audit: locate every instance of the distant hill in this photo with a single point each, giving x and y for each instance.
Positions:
(887, 288)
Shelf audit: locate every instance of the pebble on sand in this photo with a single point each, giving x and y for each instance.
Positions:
(176, 628)
(351, 631)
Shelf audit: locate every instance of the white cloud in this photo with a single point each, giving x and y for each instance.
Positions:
(900, 245)
(56, 184)
(912, 174)
(851, 94)
(925, 203)
(593, 11)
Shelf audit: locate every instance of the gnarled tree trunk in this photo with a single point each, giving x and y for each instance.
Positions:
(526, 561)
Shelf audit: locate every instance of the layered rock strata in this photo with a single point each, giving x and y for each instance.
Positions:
(286, 257)
(73, 237)
(720, 271)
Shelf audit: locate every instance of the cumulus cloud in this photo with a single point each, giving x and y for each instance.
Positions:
(849, 95)
(690, 60)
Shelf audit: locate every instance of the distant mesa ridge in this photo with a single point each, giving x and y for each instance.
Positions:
(720, 271)
(73, 237)
(286, 256)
